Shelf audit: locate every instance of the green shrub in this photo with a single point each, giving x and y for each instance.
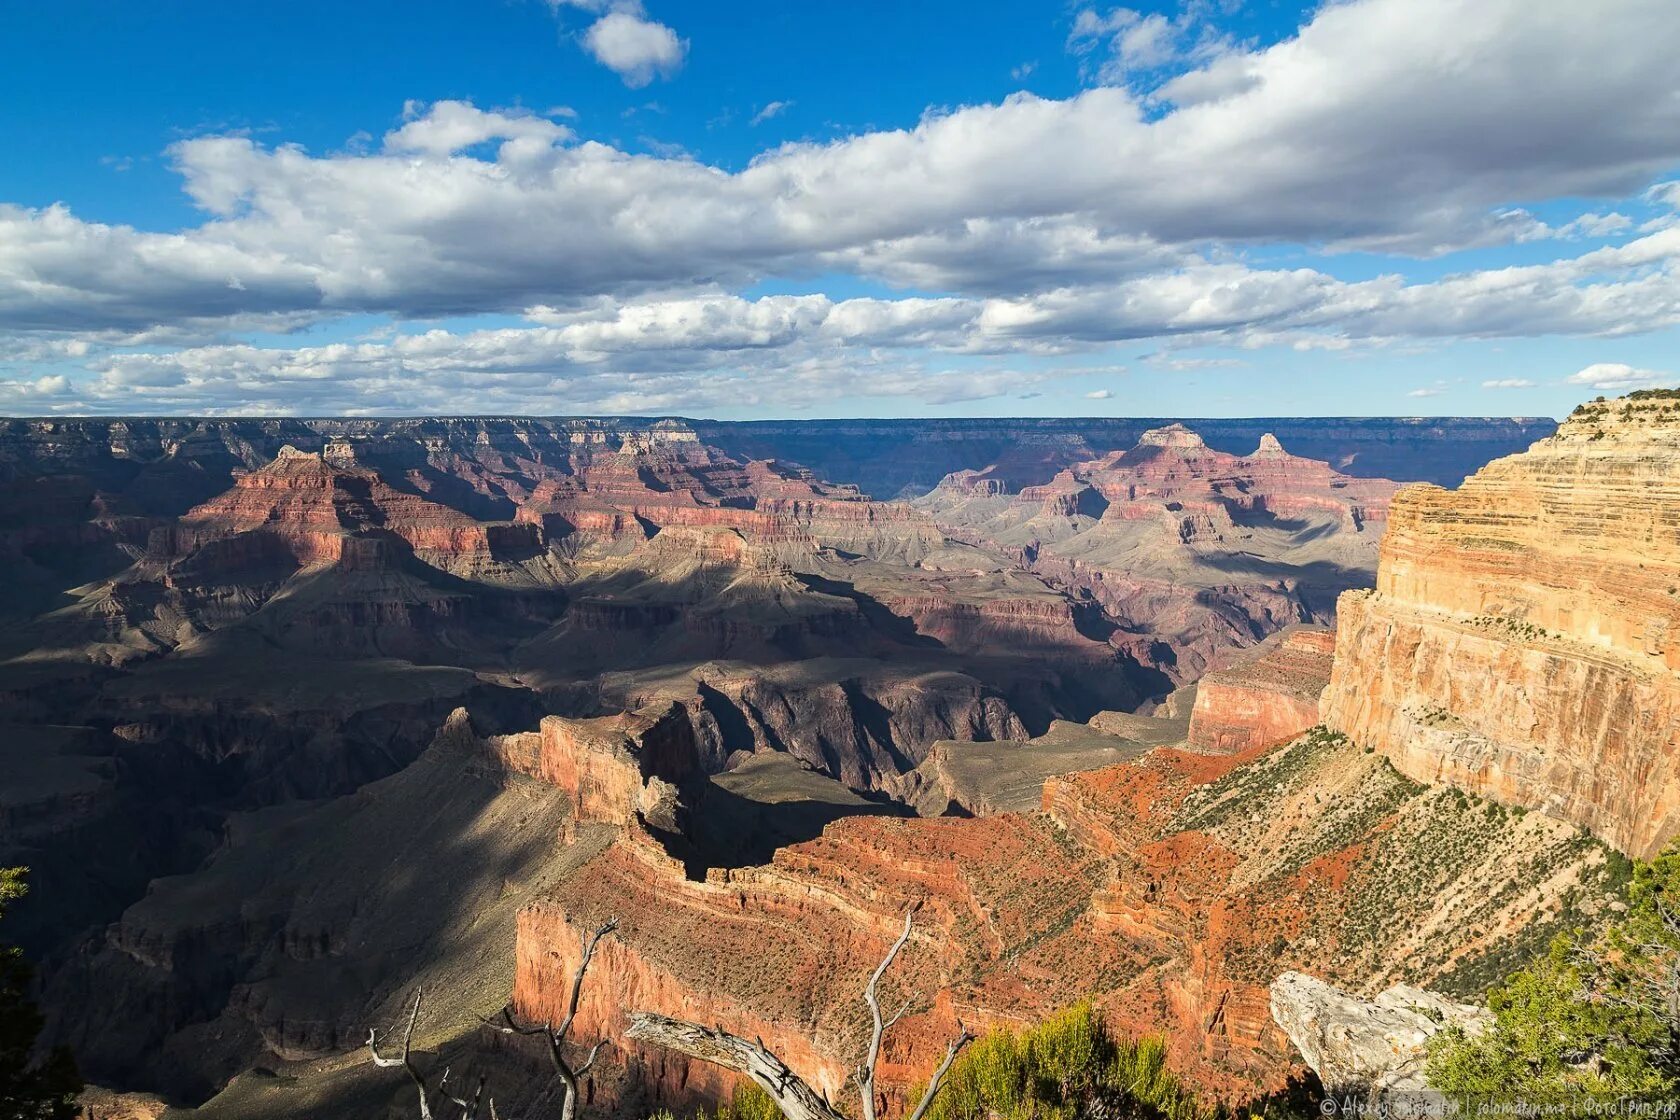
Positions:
(1590, 1021)
(1059, 1070)
(30, 1089)
(749, 1102)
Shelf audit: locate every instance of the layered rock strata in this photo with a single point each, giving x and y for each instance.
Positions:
(1268, 698)
(1523, 640)
(1169, 891)
(1192, 553)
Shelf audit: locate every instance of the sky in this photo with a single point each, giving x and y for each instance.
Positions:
(745, 209)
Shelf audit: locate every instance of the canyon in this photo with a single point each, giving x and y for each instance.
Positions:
(378, 705)
(1194, 551)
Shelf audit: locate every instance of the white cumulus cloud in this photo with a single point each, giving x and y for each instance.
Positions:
(1043, 226)
(1619, 377)
(634, 47)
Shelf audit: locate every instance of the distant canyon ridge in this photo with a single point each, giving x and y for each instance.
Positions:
(884, 458)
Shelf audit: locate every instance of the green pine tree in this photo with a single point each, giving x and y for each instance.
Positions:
(1593, 1020)
(30, 1089)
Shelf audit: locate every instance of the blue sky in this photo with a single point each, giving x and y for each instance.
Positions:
(763, 209)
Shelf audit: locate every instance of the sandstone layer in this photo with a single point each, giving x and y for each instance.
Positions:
(1523, 640)
(1270, 697)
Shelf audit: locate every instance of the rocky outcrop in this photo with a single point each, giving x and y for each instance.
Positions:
(982, 778)
(1372, 1048)
(1270, 697)
(1168, 890)
(1523, 640)
(734, 949)
(858, 724)
(1193, 554)
(620, 770)
(313, 507)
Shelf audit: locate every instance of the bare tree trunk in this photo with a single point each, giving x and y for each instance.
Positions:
(792, 1095)
(568, 1075)
(469, 1106)
(872, 1056)
(796, 1099)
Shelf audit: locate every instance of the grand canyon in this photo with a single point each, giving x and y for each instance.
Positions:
(966, 560)
(303, 717)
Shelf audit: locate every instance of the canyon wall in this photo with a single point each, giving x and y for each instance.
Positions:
(248, 614)
(1523, 639)
(1266, 699)
(1192, 553)
(167, 465)
(1168, 891)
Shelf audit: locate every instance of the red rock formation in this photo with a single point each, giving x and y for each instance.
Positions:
(619, 770)
(737, 948)
(1266, 699)
(312, 508)
(1169, 891)
(1523, 640)
(1200, 551)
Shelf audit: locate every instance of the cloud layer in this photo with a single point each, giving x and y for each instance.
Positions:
(1046, 226)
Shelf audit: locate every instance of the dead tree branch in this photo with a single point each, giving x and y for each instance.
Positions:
(871, 998)
(963, 1039)
(565, 1072)
(793, 1096)
(469, 1106)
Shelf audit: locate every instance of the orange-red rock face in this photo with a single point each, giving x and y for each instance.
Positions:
(1523, 640)
(617, 770)
(314, 507)
(1168, 891)
(1173, 467)
(782, 951)
(1265, 700)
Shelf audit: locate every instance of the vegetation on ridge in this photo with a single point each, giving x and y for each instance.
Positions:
(1593, 1019)
(1067, 1067)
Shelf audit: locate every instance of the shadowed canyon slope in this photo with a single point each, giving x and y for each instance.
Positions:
(264, 677)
